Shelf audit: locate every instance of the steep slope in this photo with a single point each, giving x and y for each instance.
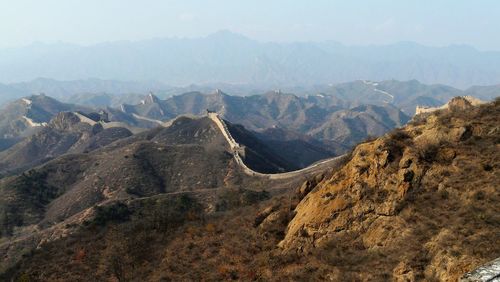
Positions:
(349, 127)
(65, 133)
(191, 154)
(189, 158)
(420, 203)
(417, 204)
(297, 148)
(29, 115)
(258, 155)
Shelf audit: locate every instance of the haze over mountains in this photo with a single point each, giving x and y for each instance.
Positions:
(226, 57)
(249, 140)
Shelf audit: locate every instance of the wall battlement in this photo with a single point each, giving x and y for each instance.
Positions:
(239, 151)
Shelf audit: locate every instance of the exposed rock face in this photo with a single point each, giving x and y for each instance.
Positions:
(456, 103)
(487, 272)
(425, 196)
(68, 121)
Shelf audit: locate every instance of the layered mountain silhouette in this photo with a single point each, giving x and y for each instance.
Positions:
(23, 117)
(232, 58)
(324, 117)
(101, 93)
(327, 118)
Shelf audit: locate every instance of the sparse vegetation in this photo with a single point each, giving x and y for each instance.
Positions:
(399, 207)
(231, 198)
(116, 212)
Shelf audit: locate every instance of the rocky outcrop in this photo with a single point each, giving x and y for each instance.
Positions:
(487, 272)
(457, 103)
(424, 197)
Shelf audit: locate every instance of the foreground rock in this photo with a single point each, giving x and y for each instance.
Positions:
(422, 199)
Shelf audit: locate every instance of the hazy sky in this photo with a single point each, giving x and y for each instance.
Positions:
(430, 22)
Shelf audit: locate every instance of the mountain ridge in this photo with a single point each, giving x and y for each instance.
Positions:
(231, 58)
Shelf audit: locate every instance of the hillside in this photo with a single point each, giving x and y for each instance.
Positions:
(188, 157)
(349, 127)
(418, 203)
(28, 125)
(65, 133)
(97, 165)
(297, 148)
(22, 117)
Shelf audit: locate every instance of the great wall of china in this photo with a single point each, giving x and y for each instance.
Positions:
(487, 272)
(422, 109)
(239, 150)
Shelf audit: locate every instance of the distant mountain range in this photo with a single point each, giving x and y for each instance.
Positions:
(38, 128)
(340, 115)
(102, 93)
(226, 57)
(324, 117)
(296, 130)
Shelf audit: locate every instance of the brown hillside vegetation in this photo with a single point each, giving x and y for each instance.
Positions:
(419, 204)
(188, 158)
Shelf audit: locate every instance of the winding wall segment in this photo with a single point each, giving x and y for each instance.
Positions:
(237, 149)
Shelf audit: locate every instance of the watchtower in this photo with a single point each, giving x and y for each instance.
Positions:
(209, 112)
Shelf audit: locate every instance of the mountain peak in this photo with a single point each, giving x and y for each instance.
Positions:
(151, 99)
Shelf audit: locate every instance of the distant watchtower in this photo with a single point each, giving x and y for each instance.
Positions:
(104, 116)
(210, 112)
